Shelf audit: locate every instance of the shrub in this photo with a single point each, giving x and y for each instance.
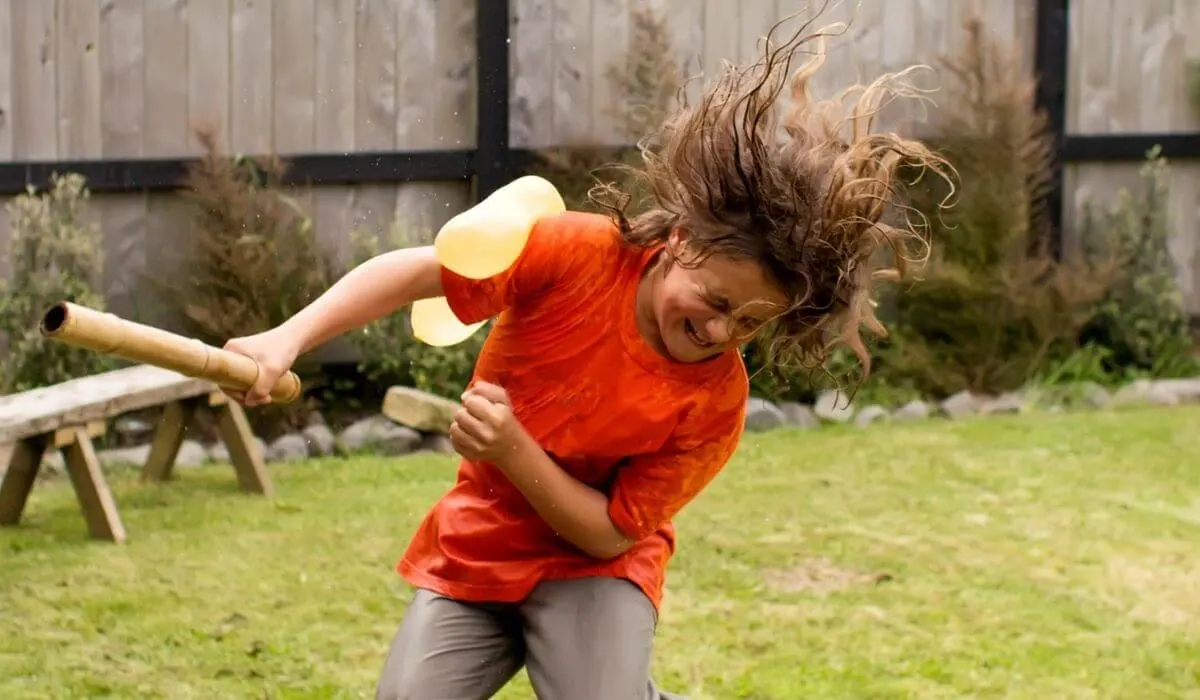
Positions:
(1141, 320)
(254, 260)
(388, 353)
(994, 303)
(54, 255)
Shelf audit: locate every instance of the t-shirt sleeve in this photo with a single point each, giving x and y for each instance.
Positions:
(541, 263)
(651, 489)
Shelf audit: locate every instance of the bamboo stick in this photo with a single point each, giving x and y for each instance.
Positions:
(109, 334)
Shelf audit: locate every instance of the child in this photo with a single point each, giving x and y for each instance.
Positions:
(611, 389)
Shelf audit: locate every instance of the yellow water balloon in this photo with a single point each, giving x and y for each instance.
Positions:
(487, 239)
(482, 242)
(434, 323)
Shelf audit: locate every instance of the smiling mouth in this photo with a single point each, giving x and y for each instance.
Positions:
(693, 336)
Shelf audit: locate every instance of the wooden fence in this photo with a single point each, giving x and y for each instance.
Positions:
(82, 80)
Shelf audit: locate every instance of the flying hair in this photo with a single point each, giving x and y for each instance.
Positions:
(809, 191)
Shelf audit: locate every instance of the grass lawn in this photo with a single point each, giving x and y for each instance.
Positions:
(1026, 557)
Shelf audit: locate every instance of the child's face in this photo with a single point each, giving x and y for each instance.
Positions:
(694, 307)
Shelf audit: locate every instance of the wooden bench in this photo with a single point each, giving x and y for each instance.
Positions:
(67, 416)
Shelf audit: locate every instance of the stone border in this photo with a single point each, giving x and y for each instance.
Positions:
(426, 414)
(836, 408)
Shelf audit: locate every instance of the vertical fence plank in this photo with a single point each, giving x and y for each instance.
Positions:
(167, 121)
(175, 36)
(572, 57)
(531, 73)
(250, 77)
(6, 85)
(333, 108)
(375, 108)
(121, 78)
(79, 79)
(35, 81)
(208, 24)
(609, 29)
(686, 23)
(294, 67)
(122, 125)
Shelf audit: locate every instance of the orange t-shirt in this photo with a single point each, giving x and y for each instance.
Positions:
(645, 430)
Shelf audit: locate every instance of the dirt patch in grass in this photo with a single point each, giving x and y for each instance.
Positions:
(1163, 590)
(822, 577)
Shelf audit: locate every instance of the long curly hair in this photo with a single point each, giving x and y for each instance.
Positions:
(809, 192)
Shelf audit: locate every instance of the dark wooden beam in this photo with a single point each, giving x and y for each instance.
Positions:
(307, 168)
(493, 164)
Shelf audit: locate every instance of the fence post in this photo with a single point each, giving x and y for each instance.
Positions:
(493, 163)
(1050, 68)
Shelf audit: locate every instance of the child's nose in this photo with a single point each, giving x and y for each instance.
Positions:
(717, 330)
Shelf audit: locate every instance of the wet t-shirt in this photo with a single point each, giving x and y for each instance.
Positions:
(647, 431)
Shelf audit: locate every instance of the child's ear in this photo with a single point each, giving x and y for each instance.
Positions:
(677, 239)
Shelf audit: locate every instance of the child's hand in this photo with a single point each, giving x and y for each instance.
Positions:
(485, 429)
(274, 352)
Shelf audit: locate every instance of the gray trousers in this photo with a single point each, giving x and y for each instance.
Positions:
(585, 639)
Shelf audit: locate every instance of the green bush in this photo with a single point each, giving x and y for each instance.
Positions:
(388, 353)
(54, 255)
(1141, 320)
(254, 260)
(993, 304)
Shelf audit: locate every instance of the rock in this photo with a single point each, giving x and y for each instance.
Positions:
(131, 430)
(762, 415)
(381, 434)
(217, 452)
(1005, 403)
(292, 447)
(314, 419)
(191, 454)
(320, 439)
(419, 410)
(1184, 390)
(799, 415)
(914, 410)
(1093, 395)
(53, 465)
(873, 413)
(834, 406)
(124, 456)
(961, 405)
(1146, 392)
(436, 442)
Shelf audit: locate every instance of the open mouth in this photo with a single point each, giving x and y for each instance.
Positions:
(693, 336)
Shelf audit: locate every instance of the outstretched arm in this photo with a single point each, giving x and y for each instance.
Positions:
(368, 292)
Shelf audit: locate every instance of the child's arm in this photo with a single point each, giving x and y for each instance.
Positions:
(370, 291)
(649, 489)
(577, 512)
(367, 293)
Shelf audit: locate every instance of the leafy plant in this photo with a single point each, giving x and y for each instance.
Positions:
(388, 353)
(994, 303)
(1141, 319)
(54, 255)
(254, 260)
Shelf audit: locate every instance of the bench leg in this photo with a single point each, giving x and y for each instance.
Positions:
(243, 449)
(24, 458)
(168, 438)
(91, 489)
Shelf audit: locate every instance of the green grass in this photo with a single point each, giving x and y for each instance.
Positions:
(1025, 557)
